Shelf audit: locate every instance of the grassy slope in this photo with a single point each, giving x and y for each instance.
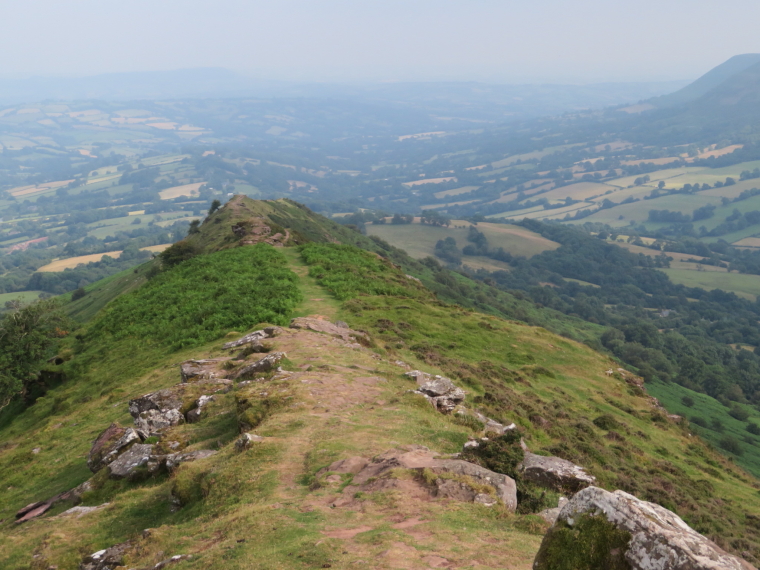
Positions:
(261, 496)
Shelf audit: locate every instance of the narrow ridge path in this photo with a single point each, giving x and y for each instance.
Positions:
(316, 299)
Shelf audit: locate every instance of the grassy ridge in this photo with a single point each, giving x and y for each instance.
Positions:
(203, 298)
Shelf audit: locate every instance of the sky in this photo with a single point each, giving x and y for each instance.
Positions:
(504, 41)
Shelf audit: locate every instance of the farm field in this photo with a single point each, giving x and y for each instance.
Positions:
(71, 262)
(419, 240)
(23, 296)
(177, 191)
(638, 212)
(455, 191)
(747, 286)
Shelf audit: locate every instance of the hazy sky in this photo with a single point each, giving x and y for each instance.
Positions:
(496, 40)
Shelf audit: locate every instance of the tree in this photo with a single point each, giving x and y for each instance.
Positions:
(194, 227)
(215, 205)
(28, 337)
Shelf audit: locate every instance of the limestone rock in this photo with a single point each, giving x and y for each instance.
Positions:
(107, 559)
(194, 415)
(554, 473)
(256, 336)
(110, 443)
(152, 422)
(246, 441)
(176, 459)
(453, 480)
(127, 463)
(440, 391)
(269, 362)
(660, 540)
(325, 326)
(193, 370)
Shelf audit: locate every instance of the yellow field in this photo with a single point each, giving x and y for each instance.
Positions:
(430, 181)
(722, 151)
(26, 190)
(747, 242)
(177, 191)
(71, 262)
(156, 248)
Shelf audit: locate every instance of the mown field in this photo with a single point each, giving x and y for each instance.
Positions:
(419, 240)
(747, 286)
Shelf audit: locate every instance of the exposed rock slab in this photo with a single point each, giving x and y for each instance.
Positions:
(454, 478)
(266, 364)
(176, 459)
(325, 326)
(113, 441)
(660, 540)
(129, 461)
(554, 473)
(256, 336)
(194, 370)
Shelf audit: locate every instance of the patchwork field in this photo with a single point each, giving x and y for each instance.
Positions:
(419, 240)
(177, 191)
(747, 286)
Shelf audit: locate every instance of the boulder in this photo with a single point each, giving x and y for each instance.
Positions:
(194, 415)
(269, 362)
(176, 459)
(554, 473)
(256, 336)
(193, 370)
(128, 462)
(454, 477)
(440, 391)
(326, 327)
(107, 559)
(153, 422)
(620, 531)
(113, 441)
(247, 440)
(550, 515)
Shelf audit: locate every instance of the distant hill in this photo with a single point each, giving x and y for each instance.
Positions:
(709, 81)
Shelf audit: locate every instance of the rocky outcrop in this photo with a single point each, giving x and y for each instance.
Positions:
(194, 370)
(128, 462)
(554, 473)
(194, 415)
(113, 441)
(270, 362)
(246, 441)
(157, 411)
(254, 337)
(648, 536)
(454, 479)
(326, 327)
(441, 392)
(107, 559)
(176, 459)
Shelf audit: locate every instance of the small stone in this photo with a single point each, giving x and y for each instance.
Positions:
(246, 440)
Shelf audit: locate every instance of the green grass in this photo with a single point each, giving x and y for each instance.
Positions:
(671, 396)
(419, 240)
(746, 286)
(201, 299)
(102, 292)
(23, 296)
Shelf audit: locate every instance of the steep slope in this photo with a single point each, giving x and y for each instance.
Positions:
(342, 395)
(709, 81)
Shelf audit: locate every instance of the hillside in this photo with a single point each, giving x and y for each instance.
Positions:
(330, 475)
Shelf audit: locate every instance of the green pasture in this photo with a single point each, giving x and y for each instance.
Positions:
(419, 240)
(747, 286)
(23, 296)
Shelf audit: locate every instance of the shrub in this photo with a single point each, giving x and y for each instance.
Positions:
(687, 401)
(753, 428)
(731, 444)
(701, 422)
(78, 294)
(739, 413)
(716, 425)
(606, 422)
